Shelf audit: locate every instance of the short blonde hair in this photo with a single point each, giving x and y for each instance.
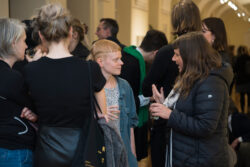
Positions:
(11, 30)
(101, 48)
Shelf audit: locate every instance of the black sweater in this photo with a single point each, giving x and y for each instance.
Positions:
(162, 73)
(80, 51)
(15, 132)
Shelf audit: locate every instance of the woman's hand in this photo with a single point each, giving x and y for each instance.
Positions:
(132, 141)
(159, 110)
(112, 113)
(28, 114)
(158, 96)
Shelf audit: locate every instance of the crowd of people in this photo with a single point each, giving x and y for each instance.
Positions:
(56, 93)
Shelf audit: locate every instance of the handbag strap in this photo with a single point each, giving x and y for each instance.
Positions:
(79, 154)
(90, 88)
(93, 101)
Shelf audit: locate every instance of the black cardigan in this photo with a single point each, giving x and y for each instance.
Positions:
(162, 73)
(15, 133)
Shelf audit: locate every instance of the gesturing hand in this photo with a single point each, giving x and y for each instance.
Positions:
(159, 110)
(158, 96)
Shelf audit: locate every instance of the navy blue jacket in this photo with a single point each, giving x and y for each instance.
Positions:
(199, 122)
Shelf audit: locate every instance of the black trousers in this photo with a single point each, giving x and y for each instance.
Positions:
(141, 141)
(158, 141)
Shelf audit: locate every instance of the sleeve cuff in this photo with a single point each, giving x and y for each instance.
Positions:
(240, 139)
(143, 100)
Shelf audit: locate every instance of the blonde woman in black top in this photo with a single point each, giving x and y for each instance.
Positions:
(59, 86)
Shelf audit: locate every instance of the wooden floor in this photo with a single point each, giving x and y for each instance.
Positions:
(146, 162)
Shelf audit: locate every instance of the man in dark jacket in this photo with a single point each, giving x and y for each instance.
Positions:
(137, 61)
(108, 29)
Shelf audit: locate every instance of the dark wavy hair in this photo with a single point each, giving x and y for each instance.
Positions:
(217, 27)
(198, 57)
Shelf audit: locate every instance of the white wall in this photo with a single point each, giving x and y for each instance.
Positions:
(62, 2)
(238, 30)
(123, 16)
(24, 9)
(165, 18)
(102, 9)
(80, 9)
(4, 8)
(139, 21)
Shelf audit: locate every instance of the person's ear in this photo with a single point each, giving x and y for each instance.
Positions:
(71, 33)
(152, 55)
(75, 35)
(213, 38)
(99, 60)
(41, 37)
(108, 31)
(155, 52)
(14, 43)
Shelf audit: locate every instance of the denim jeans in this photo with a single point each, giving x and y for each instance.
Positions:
(16, 158)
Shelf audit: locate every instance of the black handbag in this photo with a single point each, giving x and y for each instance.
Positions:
(91, 152)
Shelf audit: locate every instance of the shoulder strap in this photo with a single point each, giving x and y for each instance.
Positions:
(93, 101)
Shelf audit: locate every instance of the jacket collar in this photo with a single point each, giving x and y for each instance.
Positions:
(4, 64)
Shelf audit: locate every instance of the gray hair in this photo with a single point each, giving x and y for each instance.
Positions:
(11, 31)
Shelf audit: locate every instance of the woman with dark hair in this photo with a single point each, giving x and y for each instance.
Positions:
(60, 87)
(185, 18)
(197, 106)
(17, 137)
(242, 77)
(215, 32)
(76, 47)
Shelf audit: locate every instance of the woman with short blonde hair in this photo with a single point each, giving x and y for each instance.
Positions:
(119, 94)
